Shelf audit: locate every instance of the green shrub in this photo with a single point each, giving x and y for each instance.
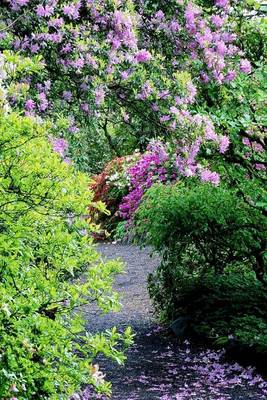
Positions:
(213, 267)
(218, 309)
(121, 231)
(203, 228)
(45, 247)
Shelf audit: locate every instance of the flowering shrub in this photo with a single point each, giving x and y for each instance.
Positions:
(46, 246)
(114, 178)
(151, 167)
(166, 164)
(121, 66)
(198, 149)
(110, 186)
(207, 270)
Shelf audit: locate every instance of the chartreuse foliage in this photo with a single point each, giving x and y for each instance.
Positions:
(214, 262)
(45, 246)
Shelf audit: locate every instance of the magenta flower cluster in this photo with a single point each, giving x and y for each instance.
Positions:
(162, 164)
(151, 168)
(60, 146)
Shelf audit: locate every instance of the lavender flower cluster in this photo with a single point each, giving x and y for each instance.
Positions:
(102, 46)
(199, 375)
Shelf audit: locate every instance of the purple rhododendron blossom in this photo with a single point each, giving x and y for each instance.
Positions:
(224, 142)
(222, 3)
(208, 176)
(143, 56)
(149, 169)
(29, 105)
(67, 95)
(60, 146)
(231, 75)
(17, 4)
(85, 107)
(43, 101)
(99, 95)
(71, 10)
(44, 11)
(245, 66)
(217, 21)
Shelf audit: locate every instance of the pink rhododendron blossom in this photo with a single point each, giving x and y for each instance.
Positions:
(56, 22)
(145, 92)
(17, 4)
(222, 3)
(260, 167)
(217, 21)
(99, 95)
(44, 11)
(71, 10)
(85, 107)
(67, 95)
(231, 75)
(43, 101)
(60, 146)
(210, 133)
(125, 75)
(174, 26)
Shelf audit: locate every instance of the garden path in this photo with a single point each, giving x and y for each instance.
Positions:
(158, 367)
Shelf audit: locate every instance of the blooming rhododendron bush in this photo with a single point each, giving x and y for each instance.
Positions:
(118, 73)
(46, 246)
(209, 222)
(212, 231)
(110, 187)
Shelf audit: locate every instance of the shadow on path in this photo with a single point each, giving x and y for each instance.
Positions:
(157, 366)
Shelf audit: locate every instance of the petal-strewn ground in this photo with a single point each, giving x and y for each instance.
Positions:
(158, 367)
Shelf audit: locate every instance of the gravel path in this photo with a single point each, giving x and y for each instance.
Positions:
(158, 367)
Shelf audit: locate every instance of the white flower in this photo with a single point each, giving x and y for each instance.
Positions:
(97, 375)
(13, 388)
(76, 396)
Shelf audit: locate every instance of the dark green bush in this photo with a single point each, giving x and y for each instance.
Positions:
(219, 308)
(203, 228)
(213, 268)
